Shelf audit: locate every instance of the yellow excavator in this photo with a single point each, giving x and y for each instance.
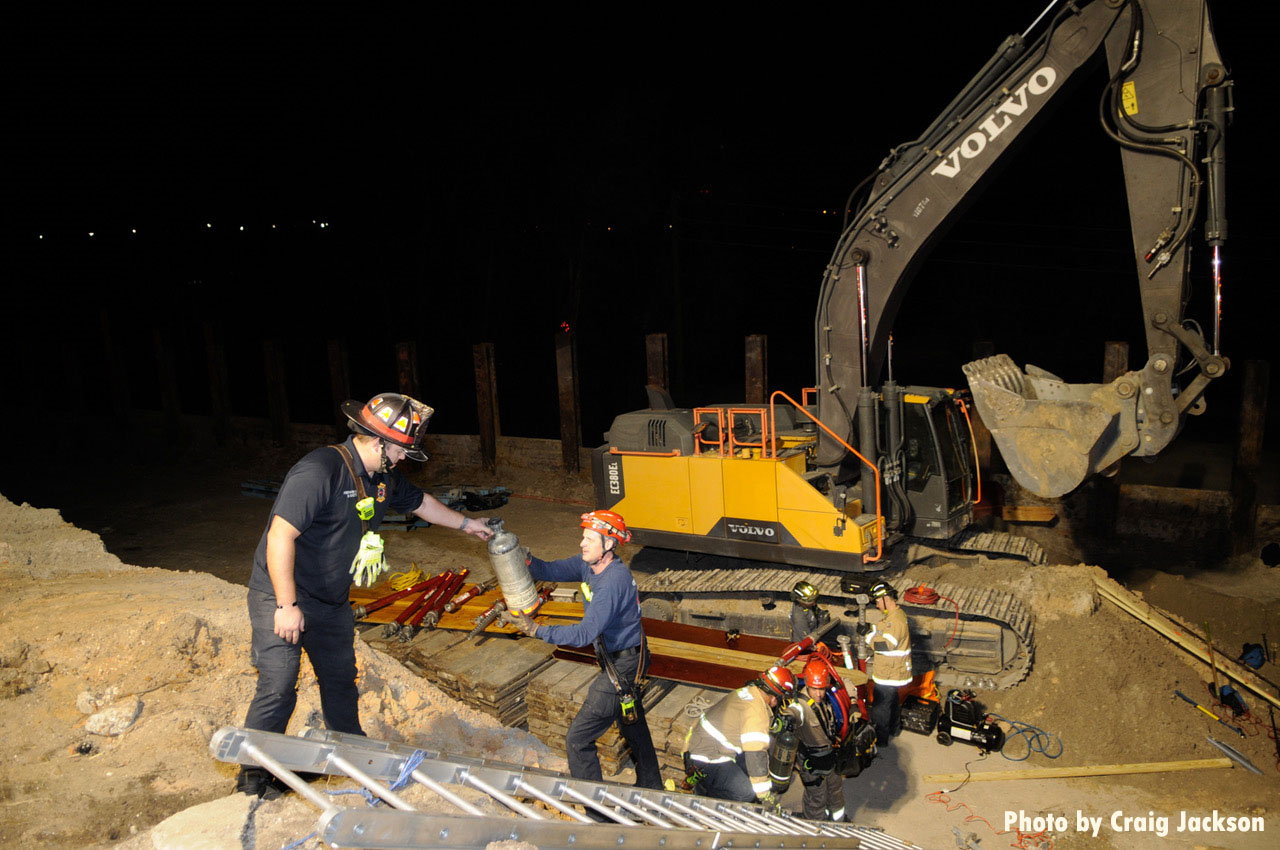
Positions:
(835, 481)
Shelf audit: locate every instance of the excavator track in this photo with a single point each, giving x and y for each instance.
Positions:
(992, 647)
(996, 544)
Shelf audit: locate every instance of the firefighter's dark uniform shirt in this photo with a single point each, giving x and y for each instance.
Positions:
(318, 497)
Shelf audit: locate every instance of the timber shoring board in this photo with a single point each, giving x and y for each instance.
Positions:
(1154, 618)
(487, 678)
(1072, 772)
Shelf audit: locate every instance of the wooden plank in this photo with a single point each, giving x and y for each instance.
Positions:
(756, 354)
(655, 360)
(339, 381)
(219, 396)
(1028, 513)
(407, 368)
(1070, 772)
(567, 384)
(1130, 604)
(486, 378)
(273, 364)
(1246, 471)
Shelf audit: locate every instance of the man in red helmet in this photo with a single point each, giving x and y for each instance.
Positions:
(320, 533)
(726, 753)
(610, 622)
(819, 737)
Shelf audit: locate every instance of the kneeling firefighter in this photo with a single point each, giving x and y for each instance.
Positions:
(726, 753)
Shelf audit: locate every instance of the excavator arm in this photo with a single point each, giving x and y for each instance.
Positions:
(1165, 106)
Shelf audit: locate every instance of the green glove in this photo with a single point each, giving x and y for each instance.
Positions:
(369, 562)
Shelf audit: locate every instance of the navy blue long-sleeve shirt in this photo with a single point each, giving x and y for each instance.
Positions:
(612, 611)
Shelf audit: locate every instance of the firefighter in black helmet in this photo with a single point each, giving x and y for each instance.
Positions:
(322, 535)
(890, 643)
(806, 615)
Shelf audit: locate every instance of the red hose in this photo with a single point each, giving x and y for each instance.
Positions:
(923, 595)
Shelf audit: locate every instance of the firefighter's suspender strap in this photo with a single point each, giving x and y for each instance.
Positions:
(359, 481)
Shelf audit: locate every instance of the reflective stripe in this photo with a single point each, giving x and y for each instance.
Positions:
(755, 738)
(838, 814)
(893, 640)
(705, 760)
(586, 591)
(761, 787)
(893, 653)
(720, 738)
(893, 682)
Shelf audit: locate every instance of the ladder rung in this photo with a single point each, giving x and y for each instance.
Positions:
(662, 818)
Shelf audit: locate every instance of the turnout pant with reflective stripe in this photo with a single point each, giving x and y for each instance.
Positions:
(886, 713)
(726, 780)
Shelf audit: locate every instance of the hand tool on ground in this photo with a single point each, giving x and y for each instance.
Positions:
(362, 611)
(429, 615)
(457, 602)
(1234, 754)
(486, 619)
(1213, 665)
(1235, 729)
(393, 628)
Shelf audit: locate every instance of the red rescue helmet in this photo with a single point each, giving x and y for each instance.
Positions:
(816, 674)
(608, 524)
(779, 681)
(396, 418)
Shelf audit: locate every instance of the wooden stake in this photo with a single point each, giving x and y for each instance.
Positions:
(757, 367)
(1071, 772)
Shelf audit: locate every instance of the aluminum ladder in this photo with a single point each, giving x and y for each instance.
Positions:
(637, 817)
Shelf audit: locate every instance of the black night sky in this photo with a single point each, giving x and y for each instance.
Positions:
(460, 181)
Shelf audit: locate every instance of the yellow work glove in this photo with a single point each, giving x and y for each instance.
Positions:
(369, 562)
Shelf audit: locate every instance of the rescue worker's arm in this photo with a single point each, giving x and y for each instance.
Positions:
(754, 740)
(433, 511)
(281, 547)
(608, 606)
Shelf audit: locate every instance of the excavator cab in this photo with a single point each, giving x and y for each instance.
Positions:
(939, 465)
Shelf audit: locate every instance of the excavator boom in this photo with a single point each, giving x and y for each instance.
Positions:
(1165, 106)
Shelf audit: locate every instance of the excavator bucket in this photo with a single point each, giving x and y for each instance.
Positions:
(1053, 435)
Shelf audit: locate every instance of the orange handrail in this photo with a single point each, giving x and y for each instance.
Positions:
(977, 467)
(697, 437)
(774, 453)
(614, 450)
(764, 430)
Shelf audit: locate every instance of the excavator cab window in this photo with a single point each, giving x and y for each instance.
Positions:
(936, 444)
(918, 446)
(953, 445)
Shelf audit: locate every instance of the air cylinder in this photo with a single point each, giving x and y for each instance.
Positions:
(511, 569)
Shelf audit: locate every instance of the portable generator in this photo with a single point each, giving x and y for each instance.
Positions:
(963, 719)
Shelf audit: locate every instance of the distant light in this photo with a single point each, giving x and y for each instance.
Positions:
(133, 230)
(609, 228)
(824, 212)
(242, 227)
(208, 225)
(41, 235)
(324, 224)
(273, 227)
(90, 232)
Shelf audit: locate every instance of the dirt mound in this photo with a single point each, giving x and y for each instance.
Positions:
(113, 678)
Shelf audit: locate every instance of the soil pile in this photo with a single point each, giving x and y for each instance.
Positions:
(114, 677)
